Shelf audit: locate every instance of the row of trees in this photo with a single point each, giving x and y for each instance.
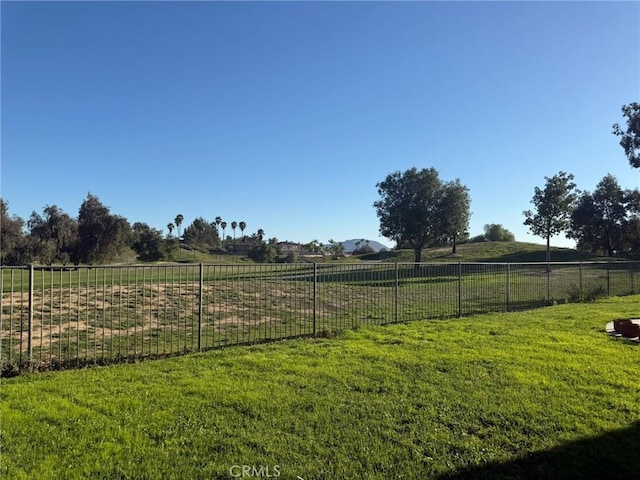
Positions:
(417, 209)
(605, 221)
(97, 236)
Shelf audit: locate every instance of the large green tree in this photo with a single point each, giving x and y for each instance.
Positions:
(265, 252)
(495, 232)
(553, 207)
(101, 235)
(147, 242)
(413, 206)
(630, 138)
(455, 208)
(52, 235)
(201, 234)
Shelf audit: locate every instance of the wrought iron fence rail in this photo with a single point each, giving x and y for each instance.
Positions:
(54, 317)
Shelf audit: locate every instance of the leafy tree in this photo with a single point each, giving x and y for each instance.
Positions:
(101, 235)
(13, 243)
(201, 233)
(52, 236)
(455, 213)
(147, 242)
(598, 221)
(265, 252)
(553, 206)
(630, 140)
(497, 233)
(631, 237)
(413, 207)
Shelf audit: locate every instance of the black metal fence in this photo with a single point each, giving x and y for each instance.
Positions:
(53, 317)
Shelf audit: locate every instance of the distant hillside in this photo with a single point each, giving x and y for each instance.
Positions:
(350, 245)
(491, 252)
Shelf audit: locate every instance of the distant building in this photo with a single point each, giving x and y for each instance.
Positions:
(285, 248)
(241, 248)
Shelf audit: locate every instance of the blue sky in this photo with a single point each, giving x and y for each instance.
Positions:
(286, 115)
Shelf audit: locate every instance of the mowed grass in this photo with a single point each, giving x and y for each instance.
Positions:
(537, 394)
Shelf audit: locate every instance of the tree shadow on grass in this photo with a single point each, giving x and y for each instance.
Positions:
(613, 455)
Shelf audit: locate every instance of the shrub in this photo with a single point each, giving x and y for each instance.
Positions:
(577, 295)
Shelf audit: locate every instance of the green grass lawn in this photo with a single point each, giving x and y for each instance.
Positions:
(537, 394)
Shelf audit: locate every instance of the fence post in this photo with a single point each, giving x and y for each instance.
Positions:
(30, 316)
(508, 287)
(200, 296)
(581, 287)
(459, 289)
(633, 287)
(608, 280)
(315, 298)
(395, 307)
(548, 282)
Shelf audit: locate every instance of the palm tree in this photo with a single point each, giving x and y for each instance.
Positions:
(233, 226)
(242, 226)
(170, 226)
(260, 235)
(178, 221)
(223, 225)
(218, 222)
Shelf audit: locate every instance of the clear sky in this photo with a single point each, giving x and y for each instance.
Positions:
(286, 115)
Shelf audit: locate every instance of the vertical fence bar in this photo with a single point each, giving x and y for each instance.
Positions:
(459, 289)
(200, 296)
(508, 287)
(581, 287)
(315, 298)
(608, 279)
(11, 317)
(396, 306)
(30, 316)
(548, 282)
(42, 308)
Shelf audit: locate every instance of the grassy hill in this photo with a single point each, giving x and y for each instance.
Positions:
(489, 252)
(514, 252)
